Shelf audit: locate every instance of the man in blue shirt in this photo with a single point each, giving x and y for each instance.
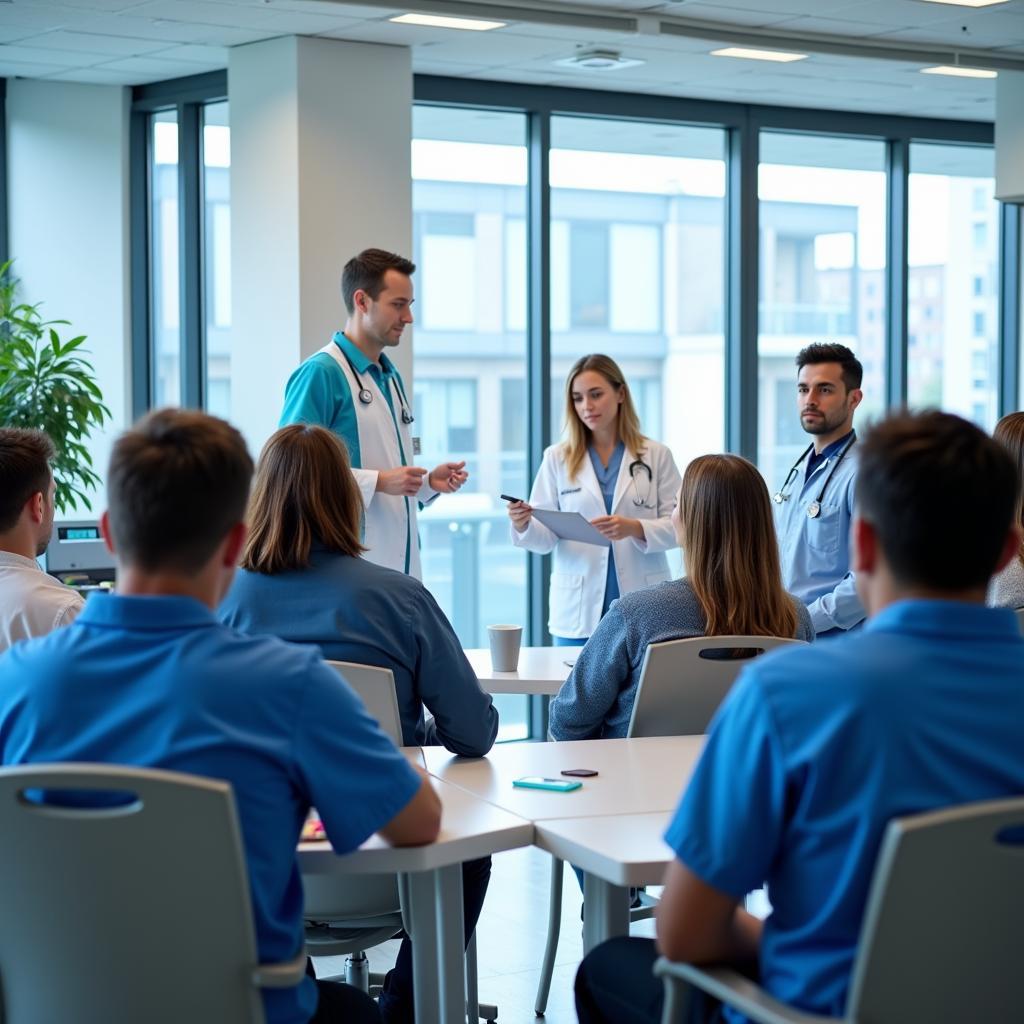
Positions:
(148, 676)
(817, 748)
(351, 387)
(814, 505)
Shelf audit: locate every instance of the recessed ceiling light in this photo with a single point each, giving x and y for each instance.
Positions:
(598, 60)
(742, 52)
(960, 72)
(442, 21)
(968, 3)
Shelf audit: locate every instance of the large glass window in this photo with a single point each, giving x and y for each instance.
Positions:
(953, 297)
(164, 282)
(822, 275)
(469, 203)
(637, 269)
(217, 256)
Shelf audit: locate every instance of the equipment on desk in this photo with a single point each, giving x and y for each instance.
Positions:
(555, 785)
(77, 555)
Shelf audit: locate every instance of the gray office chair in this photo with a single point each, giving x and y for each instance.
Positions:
(348, 914)
(679, 691)
(940, 940)
(134, 912)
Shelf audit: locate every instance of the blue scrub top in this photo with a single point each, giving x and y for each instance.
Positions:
(814, 751)
(607, 477)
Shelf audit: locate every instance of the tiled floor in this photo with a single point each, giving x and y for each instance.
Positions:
(510, 940)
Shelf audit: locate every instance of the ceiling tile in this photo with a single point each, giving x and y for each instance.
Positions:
(93, 42)
(249, 15)
(94, 76)
(15, 69)
(152, 66)
(216, 56)
(39, 55)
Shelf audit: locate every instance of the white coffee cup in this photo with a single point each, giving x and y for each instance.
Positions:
(505, 641)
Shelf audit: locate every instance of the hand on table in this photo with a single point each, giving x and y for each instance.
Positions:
(618, 527)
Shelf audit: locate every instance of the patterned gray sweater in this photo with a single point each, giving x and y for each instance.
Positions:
(595, 702)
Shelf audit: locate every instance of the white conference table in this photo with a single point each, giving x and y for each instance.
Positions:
(470, 828)
(611, 827)
(541, 671)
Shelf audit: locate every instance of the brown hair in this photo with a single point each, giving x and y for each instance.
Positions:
(732, 555)
(1009, 433)
(851, 370)
(304, 492)
(628, 423)
(178, 482)
(25, 457)
(366, 271)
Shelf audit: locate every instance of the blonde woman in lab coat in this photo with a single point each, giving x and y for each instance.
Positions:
(623, 483)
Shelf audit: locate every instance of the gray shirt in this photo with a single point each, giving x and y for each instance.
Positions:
(596, 701)
(356, 611)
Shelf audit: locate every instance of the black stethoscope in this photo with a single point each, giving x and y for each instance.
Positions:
(814, 509)
(639, 464)
(366, 395)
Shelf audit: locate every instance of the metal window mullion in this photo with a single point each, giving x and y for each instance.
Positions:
(538, 370)
(742, 290)
(5, 242)
(190, 263)
(896, 228)
(139, 204)
(1009, 307)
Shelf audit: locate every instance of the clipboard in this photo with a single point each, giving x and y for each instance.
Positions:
(571, 526)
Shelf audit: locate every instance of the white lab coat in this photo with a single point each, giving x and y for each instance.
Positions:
(390, 525)
(580, 570)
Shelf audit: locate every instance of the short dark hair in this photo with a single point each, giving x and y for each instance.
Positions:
(853, 372)
(178, 481)
(941, 495)
(25, 457)
(366, 271)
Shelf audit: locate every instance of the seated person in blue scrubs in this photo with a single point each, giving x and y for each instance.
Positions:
(149, 677)
(817, 748)
(302, 579)
(733, 585)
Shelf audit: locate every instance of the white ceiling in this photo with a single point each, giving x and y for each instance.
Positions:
(129, 42)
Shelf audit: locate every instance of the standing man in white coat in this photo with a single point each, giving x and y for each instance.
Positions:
(623, 483)
(352, 388)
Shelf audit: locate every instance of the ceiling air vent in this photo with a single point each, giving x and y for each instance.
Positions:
(598, 60)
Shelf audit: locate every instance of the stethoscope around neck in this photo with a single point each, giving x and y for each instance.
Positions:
(638, 465)
(365, 395)
(814, 508)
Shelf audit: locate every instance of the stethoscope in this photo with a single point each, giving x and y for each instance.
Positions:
(366, 395)
(814, 509)
(633, 467)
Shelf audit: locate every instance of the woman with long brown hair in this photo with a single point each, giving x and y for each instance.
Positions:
(1007, 587)
(732, 586)
(623, 483)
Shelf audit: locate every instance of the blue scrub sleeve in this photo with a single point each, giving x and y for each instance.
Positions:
(357, 778)
(729, 824)
(311, 394)
(465, 718)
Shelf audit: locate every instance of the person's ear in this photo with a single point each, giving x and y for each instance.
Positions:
(864, 544)
(361, 300)
(108, 537)
(856, 397)
(233, 544)
(36, 506)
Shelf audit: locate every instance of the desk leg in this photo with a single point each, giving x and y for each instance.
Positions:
(606, 911)
(438, 961)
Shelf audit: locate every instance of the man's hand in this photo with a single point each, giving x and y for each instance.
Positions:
(403, 480)
(618, 527)
(448, 477)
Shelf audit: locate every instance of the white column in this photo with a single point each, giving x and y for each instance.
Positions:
(68, 180)
(320, 169)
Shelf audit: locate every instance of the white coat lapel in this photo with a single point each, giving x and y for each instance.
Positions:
(588, 481)
(622, 482)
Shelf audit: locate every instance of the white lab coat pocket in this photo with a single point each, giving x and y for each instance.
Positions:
(566, 603)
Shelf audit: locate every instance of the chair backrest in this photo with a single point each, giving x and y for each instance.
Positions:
(941, 933)
(376, 689)
(680, 687)
(134, 912)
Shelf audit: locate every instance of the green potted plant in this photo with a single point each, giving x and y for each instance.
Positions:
(45, 383)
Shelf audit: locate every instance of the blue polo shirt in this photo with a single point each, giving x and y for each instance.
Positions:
(159, 682)
(817, 748)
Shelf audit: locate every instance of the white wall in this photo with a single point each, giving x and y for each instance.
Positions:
(68, 204)
(320, 169)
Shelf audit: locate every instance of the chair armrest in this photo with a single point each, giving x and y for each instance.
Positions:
(732, 988)
(284, 975)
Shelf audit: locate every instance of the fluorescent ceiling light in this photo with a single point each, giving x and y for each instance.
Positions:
(740, 51)
(968, 3)
(959, 72)
(441, 21)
